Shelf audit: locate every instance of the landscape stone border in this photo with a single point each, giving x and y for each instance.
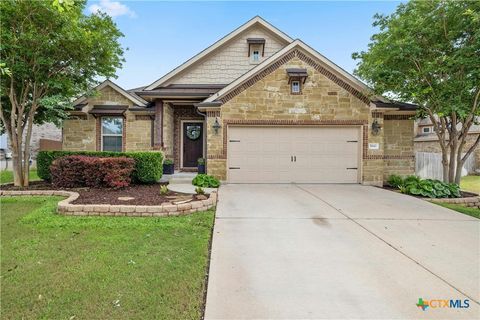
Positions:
(65, 207)
(473, 202)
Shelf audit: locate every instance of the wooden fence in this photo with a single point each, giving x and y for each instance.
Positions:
(429, 165)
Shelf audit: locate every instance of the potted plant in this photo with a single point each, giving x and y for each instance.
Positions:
(168, 166)
(201, 165)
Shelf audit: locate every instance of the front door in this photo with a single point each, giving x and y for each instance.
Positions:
(192, 143)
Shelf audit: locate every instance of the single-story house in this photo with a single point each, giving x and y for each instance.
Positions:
(259, 106)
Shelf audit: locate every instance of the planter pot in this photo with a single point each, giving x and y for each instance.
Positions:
(201, 168)
(168, 169)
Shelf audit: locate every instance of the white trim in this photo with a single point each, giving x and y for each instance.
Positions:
(222, 41)
(115, 87)
(204, 128)
(111, 135)
(356, 83)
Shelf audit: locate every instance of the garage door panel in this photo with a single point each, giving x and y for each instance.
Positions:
(264, 154)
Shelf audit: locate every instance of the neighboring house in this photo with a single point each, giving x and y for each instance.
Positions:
(39, 132)
(426, 140)
(260, 107)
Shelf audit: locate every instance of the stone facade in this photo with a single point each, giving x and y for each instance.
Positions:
(83, 132)
(269, 101)
(398, 143)
(168, 127)
(230, 61)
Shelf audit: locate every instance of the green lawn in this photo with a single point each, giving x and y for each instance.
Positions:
(470, 183)
(7, 176)
(474, 212)
(57, 267)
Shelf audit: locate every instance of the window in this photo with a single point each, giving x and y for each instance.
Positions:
(426, 130)
(112, 134)
(295, 86)
(256, 55)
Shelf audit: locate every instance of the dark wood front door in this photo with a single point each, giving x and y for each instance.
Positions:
(192, 143)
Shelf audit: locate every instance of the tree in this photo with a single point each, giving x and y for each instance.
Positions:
(51, 52)
(428, 53)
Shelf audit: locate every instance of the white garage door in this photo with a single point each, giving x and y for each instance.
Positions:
(293, 154)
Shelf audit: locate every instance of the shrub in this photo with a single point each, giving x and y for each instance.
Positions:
(83, 171)
(201, 161)
(163, 190)
(168, 161)
(395, 181)
(425, 187)
(199, 190)
(205, 181)
(148, 165)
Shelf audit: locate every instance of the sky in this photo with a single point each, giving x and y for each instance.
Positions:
(162, 35)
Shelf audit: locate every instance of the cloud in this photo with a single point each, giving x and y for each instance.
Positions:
(112, 8)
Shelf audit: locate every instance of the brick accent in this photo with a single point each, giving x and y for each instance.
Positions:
(398, 117)
(180, 114)
(259, 76)
(66, 208)
(213, 113)
(330, 75)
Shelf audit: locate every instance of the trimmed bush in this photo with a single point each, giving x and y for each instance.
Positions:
(205, 181)
(148, 165)
(94, 172)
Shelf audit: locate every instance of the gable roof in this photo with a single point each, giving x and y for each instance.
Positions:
(331, 67)
(108, 83)
(216, 45)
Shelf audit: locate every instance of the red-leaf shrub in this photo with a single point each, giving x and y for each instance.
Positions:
(83, 171)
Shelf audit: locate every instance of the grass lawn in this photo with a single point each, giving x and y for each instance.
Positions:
(474, 212)
(470, 183)
(6, 176)
(57, 267)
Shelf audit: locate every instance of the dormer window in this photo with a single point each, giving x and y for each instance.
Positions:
(256, 49)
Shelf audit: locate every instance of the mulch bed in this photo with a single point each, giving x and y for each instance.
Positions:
(144, 195)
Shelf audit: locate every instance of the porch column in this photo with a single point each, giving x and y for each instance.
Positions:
(158, 145)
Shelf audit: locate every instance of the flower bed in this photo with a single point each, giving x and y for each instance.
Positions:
(67, 207)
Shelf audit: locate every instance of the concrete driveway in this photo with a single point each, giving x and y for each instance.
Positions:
(338, 252)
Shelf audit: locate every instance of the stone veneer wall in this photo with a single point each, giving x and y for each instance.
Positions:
(82, 133)
(398, 135)
(268, 101)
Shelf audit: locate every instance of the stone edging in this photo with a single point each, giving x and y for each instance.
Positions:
(468, 202)
(66, 208)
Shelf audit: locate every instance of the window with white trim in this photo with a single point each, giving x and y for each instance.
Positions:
(426, 130)
(295, 86)
(255, 52)
(112, 134)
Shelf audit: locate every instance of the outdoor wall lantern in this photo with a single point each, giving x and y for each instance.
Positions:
(376, 127)
(216, 125)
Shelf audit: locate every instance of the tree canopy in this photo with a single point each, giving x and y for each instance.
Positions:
(50, 52)
(428, 53)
